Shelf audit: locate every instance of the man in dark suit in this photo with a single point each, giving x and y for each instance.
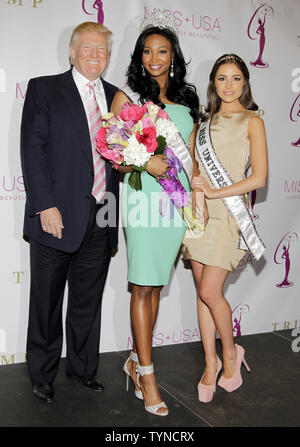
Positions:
(60, 166)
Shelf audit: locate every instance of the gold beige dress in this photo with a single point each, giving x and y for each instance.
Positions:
(219, 244)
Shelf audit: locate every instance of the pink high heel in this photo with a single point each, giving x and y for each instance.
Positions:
(206, 392)
(236, 380)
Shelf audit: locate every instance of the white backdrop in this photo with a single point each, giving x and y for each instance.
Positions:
(34, 37)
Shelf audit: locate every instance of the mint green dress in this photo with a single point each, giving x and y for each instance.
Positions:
(154, 229)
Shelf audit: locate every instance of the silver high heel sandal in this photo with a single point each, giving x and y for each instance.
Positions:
(142, 370)
(134, 357)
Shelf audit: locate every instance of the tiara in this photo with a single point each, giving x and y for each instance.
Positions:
(230, 57)
(160, 20)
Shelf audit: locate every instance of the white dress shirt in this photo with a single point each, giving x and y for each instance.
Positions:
(81, 83)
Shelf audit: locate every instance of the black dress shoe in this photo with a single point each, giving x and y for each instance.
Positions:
(89, 383)
(44, 392)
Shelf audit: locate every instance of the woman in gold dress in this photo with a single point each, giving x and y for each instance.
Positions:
(236, 133)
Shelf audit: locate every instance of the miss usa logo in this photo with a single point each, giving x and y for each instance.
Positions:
(239, 314)
(98, 5)
(195, 21)
(257, 30)
(282, 255)
(295, 109)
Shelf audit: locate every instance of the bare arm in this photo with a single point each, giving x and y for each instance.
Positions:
(259, 164)
(197, 194)
(192, 141)
(119, 100)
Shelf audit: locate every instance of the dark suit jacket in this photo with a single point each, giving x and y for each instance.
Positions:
(57, 160)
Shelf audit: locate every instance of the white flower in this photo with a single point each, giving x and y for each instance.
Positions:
(167, 129)
(135, 153)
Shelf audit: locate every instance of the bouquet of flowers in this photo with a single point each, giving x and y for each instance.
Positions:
(136, 134)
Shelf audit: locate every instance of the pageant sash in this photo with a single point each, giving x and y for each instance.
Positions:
(179, 147)
(235, 205)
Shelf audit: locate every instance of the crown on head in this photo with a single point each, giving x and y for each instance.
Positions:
(229, 58)
(160, 20)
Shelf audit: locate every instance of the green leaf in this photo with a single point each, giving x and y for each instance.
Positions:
(135, 181)
(139, 168)
(161, 145)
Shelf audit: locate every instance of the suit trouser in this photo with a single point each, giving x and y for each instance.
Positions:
(86, 272)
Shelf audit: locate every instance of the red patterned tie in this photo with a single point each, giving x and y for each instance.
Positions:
(94, 115)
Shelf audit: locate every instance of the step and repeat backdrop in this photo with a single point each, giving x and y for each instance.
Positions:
(264, 295)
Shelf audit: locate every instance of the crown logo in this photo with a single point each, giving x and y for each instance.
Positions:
(160, 20)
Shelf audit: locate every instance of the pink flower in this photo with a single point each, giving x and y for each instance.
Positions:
(131, 112)
(163, 114)
(148, 138)
(112, 154)
(128, 125)
(101, 139)
(146, 122)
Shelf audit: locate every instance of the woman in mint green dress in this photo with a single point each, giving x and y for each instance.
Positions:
(154, 230)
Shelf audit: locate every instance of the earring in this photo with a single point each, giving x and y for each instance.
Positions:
(143, 71)
(172, 69)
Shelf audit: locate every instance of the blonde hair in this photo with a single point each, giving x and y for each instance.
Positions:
(91, 26)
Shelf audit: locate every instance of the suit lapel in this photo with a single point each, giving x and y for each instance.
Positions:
(77, 112)
(109, 94)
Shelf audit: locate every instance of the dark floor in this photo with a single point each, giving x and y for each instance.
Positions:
(269, 397)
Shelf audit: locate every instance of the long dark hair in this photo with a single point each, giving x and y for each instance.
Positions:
(213, 100)
(178, 90)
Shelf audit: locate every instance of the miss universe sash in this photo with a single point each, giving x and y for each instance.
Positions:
(235, 205)
(179, 148)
